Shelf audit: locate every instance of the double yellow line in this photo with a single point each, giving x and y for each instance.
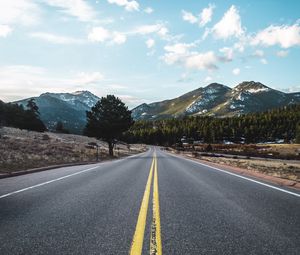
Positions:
(155, 234)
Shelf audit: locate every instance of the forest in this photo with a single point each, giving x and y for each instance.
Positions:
(270, 126)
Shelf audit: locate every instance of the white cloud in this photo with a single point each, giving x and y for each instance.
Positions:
(180, 53)
(236, 71)
(259, 53)
(264, 61)
(100, 34)
(21, 12)
(150, 43)
(207, 31)
(76, 8)
(189, 17)
(118, 38)
(131, 100)
(230, 25)
(163, 32)
(149, 10)
(177, 52)
(202, 61)
(56, 39)
(128, 5)
(159, 29)
(240, 46)
(149, 29)
(285, 36)
(5, 30)
(84, 78)
(208, 79)
(228, 54)
(179, 48)
(282, 53)
(39, 80)
(15, 78)
(206, 15)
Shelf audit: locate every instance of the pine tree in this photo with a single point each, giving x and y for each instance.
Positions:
(108, 119)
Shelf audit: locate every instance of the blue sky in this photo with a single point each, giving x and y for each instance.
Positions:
(146, 50)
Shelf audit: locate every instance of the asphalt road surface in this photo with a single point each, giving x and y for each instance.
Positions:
(151, 203)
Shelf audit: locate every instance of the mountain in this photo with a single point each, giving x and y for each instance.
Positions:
(69, 108)
(213, 100)
(218, 100)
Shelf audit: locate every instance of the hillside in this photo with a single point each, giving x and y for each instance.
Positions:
(218, 100)
(22, 149)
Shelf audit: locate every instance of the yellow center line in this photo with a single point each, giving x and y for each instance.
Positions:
(138, 238)
(155, 237)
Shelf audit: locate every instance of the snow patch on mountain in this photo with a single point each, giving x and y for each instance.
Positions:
(258, 90)
(200, 103)
(241, 97)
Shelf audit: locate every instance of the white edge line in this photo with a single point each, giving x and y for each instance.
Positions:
(236, 175)
(64, 177)
(47, 182)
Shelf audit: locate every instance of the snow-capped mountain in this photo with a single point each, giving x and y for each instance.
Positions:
(69, 108)
(218, 100)
(82, 97)
(213, 100)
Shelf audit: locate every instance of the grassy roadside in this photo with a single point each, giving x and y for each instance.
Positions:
(285, 169)
(22, 150)
(275, 151)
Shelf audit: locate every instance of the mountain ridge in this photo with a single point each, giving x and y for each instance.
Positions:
(214, 99)
(217, 100)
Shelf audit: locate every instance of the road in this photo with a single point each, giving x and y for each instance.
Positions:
(151, 203)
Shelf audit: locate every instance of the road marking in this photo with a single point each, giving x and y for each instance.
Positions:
(242, 177)
(47, 182)
(66, 176)
(155, 236)
(138, 238)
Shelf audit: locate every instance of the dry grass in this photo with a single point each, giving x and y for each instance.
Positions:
(21, 149)
(284, 151)
(283, 169)
(287, 169)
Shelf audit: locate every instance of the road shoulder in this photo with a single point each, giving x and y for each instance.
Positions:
(244, 172)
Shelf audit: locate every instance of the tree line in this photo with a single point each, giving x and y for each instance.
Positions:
(14, 115)
(277, 124)
(110, 120)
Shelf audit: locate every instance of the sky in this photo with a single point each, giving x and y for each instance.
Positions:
(146, 50)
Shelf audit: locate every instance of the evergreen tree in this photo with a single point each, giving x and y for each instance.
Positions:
(108, 119)
(32, 107)
(33, 121)
(276, 124)
(60, 128)
(13, 115)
